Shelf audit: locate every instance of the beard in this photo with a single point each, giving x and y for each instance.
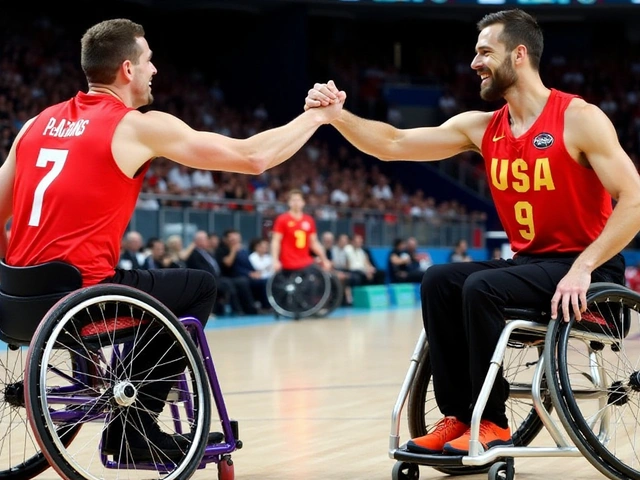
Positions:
(500, 81)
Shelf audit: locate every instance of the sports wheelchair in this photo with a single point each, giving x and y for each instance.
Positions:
(67, 373)
(587, 371)
(308, 292)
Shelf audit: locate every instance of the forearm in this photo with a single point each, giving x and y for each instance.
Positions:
(186, 252)
(275, 251)
(318, 249)
(369, 136)
(621, 228)
(229, 259)
(279, 144)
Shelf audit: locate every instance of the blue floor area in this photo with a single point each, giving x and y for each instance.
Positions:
(216, 323)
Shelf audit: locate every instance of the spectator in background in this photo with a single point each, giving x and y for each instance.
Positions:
(459, 253)
(177, 252)
(201, 258)
(132, 257)
(260, 257)
(360, 266)
(420, 261)
(233, 259)
(404, 266)
(158, 257)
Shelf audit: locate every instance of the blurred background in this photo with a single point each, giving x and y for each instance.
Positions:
(240, 66)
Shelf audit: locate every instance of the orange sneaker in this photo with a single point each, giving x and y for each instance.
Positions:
(491, 435)
(446, 429)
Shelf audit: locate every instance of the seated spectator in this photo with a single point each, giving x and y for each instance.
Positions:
(362, 270)
(419, 260)
(202, 258)
(404, 267)
(158, 257)
(459, 253)
(177, 252)
(260, 257)
(235, 265)
(131, 257)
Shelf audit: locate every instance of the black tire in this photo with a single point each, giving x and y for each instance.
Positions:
(335, 298)
(76, 323)
(612, 310)
(422, 410)
(299, 293)
(405, 471)
(16, 435)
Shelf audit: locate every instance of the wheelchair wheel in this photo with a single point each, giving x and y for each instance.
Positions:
(299, 293)
(20, 458)
(128, 352)
(518, 367)
(335, 298)
(597, 385)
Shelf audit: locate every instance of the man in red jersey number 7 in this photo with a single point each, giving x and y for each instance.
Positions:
(554, 163)
(72, 178)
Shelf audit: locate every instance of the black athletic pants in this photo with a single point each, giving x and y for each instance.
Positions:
(461, 310)
(186, 292)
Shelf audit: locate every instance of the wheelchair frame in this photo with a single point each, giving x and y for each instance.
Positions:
(566, 443)
(75, 394)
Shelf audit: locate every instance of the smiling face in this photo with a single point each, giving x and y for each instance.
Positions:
(494, 64)
(143, 73)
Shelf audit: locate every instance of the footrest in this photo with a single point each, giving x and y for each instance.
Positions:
(404, 455)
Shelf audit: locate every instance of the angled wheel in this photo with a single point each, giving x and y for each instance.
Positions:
(596, 379)
(299, 293)
(129, 354)
(20, 456)
(518, 366)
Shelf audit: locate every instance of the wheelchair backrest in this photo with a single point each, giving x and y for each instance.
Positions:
(27, 294)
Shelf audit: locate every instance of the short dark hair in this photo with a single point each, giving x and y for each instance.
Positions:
(295, 191)
(106, 45)
(520, 28)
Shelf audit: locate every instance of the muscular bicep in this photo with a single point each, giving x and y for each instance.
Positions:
(157, 134)
(597, 139)
(460, 133)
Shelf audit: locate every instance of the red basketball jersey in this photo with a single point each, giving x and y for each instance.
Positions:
(546, 201)
(294, 249)
(71, 201)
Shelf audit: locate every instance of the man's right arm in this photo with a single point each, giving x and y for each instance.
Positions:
(143, 136)
(276, 241)
(460, 133)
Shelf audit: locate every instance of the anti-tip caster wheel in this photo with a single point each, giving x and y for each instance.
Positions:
(225, 469)
(405, 471)
(502, 470)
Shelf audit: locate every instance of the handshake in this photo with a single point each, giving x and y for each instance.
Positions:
(324, 95)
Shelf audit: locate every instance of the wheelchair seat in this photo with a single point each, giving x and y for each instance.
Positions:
(27, 293)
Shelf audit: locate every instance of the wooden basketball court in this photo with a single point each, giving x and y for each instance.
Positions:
(313, 398)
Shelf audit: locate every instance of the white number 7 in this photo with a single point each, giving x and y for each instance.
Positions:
(58, 157)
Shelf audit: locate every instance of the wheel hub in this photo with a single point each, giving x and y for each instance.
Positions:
(14, 394)
(124, 394)
(618, 394)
